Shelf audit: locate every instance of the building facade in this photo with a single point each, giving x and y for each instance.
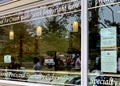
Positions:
(41, 40)
(73, 39)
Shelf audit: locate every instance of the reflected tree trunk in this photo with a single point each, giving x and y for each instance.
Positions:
(21, 48)
(36, 46)
(70, 41)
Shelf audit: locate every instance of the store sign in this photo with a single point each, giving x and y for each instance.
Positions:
(104, 82)
(108, 38)
(41, 12)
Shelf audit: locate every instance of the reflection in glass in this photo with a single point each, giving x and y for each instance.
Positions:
(75, 26)
(11, 35)
(39, 31)
(101, 58)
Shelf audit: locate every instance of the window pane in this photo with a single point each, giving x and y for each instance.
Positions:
(45, 38)
(103, 42)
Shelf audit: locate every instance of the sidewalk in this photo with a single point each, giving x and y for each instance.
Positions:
(16, 83)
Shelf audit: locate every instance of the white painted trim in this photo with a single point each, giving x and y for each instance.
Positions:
(84, 43)
(30, 8)
(21, 83)
(23, 6)
(32, 71)
(12, 4)
(5, 3)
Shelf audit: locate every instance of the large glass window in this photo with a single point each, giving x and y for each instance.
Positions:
(104, 25)
(47, 34)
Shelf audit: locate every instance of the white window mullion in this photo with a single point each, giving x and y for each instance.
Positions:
(84, 43)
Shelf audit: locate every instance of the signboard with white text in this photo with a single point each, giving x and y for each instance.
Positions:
(41, 12)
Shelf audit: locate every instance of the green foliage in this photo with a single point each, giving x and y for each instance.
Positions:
(52, 39)
(54, 34)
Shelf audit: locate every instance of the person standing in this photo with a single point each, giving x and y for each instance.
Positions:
(36, 64)
(98, 63)
(68, 61)
(78, 64)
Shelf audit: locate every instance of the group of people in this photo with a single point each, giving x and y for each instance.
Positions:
(69, 63)
(15, 65)
(37, 66)
(74, 62)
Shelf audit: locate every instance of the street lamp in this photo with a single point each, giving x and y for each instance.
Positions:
(74, 30)
(38, 34)
(39, 31)
(75, 26)
(11, 35)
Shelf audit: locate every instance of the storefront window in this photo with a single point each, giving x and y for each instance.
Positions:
(47, 34)
(103, 42)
